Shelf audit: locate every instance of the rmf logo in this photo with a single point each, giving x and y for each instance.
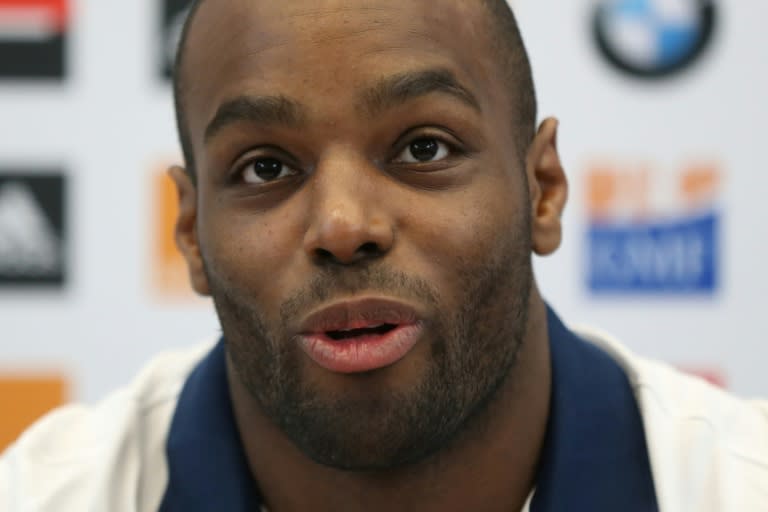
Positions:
(652, 231)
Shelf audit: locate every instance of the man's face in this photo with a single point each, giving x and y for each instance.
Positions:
(362, 217)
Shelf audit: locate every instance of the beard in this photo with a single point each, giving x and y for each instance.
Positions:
(472, 354)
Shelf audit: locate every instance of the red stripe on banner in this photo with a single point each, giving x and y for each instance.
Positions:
(59, 9)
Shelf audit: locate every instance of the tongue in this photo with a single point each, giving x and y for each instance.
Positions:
(365, 331)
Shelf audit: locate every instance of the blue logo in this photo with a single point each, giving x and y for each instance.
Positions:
(653, 38)
(636, 247)
(676, 256)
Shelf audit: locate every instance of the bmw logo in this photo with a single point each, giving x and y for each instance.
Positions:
(653, 38)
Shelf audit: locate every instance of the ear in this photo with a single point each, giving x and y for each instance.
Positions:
(548, 189)
(185, 231)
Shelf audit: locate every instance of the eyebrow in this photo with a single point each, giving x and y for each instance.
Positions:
(401, 88)
(272, 110)
(387, 93)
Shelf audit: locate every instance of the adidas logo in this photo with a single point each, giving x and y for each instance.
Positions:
(29, 246)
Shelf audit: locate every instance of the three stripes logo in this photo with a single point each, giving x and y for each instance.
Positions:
(33, 35)
(32, 229)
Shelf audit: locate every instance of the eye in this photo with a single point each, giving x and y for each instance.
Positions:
(425, 149)
(263, 170)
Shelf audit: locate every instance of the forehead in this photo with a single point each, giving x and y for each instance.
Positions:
(305, 48)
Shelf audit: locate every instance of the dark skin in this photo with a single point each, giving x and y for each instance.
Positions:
(351, 194)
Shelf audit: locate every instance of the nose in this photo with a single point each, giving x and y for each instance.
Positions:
(348, 221)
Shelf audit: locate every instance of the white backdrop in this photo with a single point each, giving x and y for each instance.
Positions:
(109, 127)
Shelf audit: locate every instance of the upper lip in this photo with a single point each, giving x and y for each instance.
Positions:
(358, 314)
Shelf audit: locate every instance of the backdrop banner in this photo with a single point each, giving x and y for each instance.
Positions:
(662, 106)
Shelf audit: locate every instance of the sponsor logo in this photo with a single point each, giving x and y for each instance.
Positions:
(173, 16)
(33, 38)
(652, 231)
(170, 278)
(653, 38)
(32, 229)
(25, 397)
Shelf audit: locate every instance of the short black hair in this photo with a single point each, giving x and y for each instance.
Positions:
(507, 44)
(178, 92)
(510, 50)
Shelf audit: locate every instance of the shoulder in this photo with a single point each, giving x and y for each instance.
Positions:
(701, 439)
(671, 396)
(77, 452)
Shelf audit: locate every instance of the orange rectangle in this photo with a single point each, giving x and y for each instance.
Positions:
(170, 276)
(24, 399)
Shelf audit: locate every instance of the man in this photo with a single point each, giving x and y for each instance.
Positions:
(363, 190)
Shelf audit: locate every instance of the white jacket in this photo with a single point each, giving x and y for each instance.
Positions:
(708, 449)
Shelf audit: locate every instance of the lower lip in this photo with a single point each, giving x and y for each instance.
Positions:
(363, 353)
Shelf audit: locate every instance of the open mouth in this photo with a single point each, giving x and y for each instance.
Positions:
(361, 335)
(377, 330)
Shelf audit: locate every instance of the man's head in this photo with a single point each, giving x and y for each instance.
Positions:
(366, 202)
(506, 45)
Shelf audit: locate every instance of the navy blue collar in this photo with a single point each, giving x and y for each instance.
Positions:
(207, 469)
(595, 457)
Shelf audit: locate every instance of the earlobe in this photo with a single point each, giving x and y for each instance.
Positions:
(185, 231)
(548, 189)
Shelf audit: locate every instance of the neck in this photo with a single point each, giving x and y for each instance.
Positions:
(490, 466)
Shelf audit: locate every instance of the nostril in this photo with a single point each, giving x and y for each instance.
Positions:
(324, 254)
(369, 248)
(363, 252)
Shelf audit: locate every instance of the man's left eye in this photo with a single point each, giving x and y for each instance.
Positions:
(423, 150)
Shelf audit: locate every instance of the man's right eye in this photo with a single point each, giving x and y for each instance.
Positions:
(263, 170)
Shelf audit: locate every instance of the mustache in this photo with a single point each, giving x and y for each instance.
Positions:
(338, 282)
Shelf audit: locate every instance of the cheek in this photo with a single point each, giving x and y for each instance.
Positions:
(463, 241)
(468, 228)
(245, 252)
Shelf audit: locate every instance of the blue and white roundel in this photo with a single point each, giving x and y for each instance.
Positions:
(653, 37)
